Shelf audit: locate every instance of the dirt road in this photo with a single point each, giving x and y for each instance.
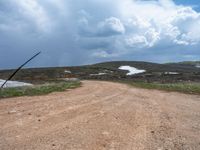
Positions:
(101, 116)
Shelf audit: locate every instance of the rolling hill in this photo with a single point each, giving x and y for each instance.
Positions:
(154, 72)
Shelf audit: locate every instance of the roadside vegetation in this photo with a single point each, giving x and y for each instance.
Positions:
(189, 88)
(39, 89)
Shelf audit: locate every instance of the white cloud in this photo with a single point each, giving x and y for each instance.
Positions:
(103, 54)
(33, 11)
(136, 41)
(148, 39)
(111, 26)
(139, 25)
(152, 36)
(163, 21)
(138, 22)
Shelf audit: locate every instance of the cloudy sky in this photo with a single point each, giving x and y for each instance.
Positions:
(77, 32)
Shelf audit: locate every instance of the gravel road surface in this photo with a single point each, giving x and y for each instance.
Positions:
(101, 116)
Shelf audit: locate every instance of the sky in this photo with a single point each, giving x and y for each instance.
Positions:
(78, 32)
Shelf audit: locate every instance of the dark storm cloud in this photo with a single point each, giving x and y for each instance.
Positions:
(74, 32)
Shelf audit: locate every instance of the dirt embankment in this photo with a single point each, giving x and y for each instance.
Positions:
(101, 115)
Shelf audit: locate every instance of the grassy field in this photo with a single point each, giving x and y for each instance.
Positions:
(189, 88)
(38, 89)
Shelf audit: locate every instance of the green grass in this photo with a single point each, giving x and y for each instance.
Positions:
(38, 89)
(191, 88)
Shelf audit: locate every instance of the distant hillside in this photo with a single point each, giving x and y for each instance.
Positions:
(172, 72)
(150, 67)
(193, 63)
(190, 62)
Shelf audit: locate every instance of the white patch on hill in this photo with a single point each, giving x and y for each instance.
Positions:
(99, 74)
(70, 79)
(68, 71)
(14, 84)
(171, 73)
(132, 70)
(197, 66)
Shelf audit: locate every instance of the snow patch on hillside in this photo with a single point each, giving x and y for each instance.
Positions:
(13, 84)
(171, 73)
(99, 74)
(197, 66)
(67, 71)
(132, 70)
